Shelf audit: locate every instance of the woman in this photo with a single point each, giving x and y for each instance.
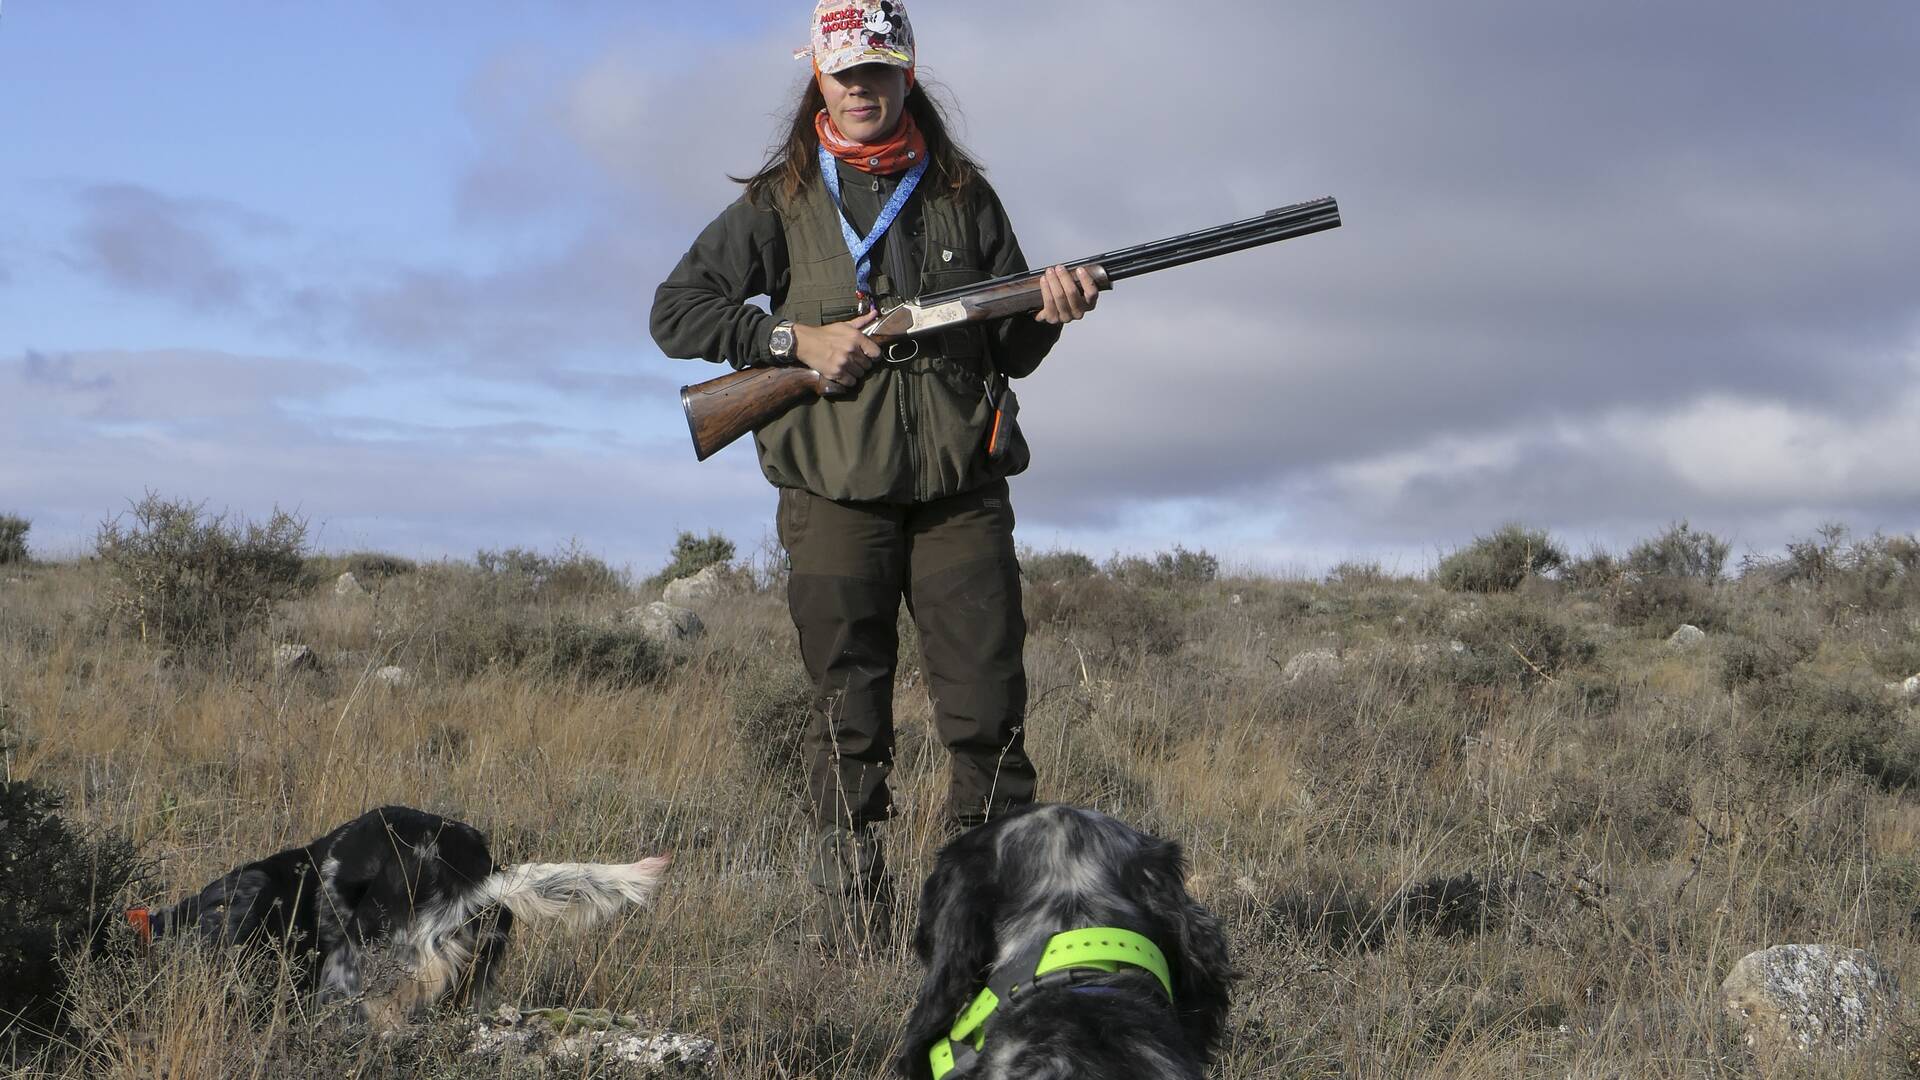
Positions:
(886, 489)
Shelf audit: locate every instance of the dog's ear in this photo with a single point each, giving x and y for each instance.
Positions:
(1202, 972)
(954, 941)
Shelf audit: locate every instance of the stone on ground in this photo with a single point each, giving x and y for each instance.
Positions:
(1309, 665)
(590, 1042)
(1808, 1000)
(715, 580)
(295, 658)
(1687, 636)
(665, 623)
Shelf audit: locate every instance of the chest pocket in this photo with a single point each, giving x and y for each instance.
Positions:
(820, 270)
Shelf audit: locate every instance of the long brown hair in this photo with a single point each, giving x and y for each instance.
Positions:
(794, 163)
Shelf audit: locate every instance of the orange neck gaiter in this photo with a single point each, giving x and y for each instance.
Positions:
(903, 151)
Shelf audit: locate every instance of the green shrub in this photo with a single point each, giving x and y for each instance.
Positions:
(474, 631)
(1597, 569)
(1810, 561)
(515, 562)
(181, 578)
(570, 573)
(470, 621)
(1626, 805)
(692, 554)
(1680, 552)
(1058, 565)
(612, 656)
(1500, 562)
(1764, 659)
(365, 566)
(772, 708)
(1110, 619)
(1177, 567)
(1664, 602)
(57, 886)
(1878, 574)
(13, 538)
(1518, 644)
(1809, 724)
(1898, 658)
(1368, 572)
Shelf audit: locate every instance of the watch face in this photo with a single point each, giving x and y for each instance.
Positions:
(781, 344)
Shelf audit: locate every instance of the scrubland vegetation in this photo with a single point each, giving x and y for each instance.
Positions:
(1500, 826)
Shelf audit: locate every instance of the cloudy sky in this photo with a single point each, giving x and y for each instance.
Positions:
(389, 264)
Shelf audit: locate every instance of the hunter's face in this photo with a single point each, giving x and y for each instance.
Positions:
(866, 102)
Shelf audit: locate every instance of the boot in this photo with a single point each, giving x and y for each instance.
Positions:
(853, 902)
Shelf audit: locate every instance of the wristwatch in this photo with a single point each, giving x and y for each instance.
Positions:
(780, 343)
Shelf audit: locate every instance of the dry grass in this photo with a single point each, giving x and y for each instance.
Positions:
(1635, 819)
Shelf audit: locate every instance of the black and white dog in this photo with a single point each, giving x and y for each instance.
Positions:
(402, 884)
(1007, 894)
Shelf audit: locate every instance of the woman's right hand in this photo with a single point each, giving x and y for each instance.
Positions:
(838, 351)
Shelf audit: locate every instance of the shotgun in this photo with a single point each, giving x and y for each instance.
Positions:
(723, 409)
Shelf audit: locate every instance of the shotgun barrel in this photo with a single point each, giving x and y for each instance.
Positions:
(1271, 227)
(723, 409)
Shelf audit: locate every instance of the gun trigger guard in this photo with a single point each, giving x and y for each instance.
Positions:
(893, 345)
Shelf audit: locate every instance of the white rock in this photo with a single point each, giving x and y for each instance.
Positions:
(1312, 664)
(646, 1053)
(1234, 600)
(1808, 999)
(393, 675)
(295, 658)
(606, 1044)
(665, 623)
(1687, 637)
(1910, 689)
(1426, 653)
(714, 580)
(348, 585)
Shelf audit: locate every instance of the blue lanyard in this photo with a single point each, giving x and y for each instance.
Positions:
(858, 248)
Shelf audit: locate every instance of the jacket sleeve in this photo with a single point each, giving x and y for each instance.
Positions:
(1019, 343)
(701, 310)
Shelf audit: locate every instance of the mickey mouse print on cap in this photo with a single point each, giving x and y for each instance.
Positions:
(848, 33)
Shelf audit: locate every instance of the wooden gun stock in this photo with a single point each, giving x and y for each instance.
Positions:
(723, 409)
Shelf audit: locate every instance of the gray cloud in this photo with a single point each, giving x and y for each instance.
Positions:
(535, 315)
(56, 373)
(180, 249)
(1550, 216)
(537, 318)
(1602, 267)
(81, 433)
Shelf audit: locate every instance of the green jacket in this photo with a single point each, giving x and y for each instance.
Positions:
(914, 431)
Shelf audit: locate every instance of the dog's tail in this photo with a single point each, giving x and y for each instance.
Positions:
(577, 896)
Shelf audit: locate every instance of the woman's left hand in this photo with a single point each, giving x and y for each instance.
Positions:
(1066, 297)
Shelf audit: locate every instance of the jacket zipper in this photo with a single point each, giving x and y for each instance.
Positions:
(906, 428)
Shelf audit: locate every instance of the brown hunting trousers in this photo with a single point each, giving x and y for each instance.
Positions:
(952, 561)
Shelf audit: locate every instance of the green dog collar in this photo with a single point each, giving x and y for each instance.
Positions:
(1097, 948)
